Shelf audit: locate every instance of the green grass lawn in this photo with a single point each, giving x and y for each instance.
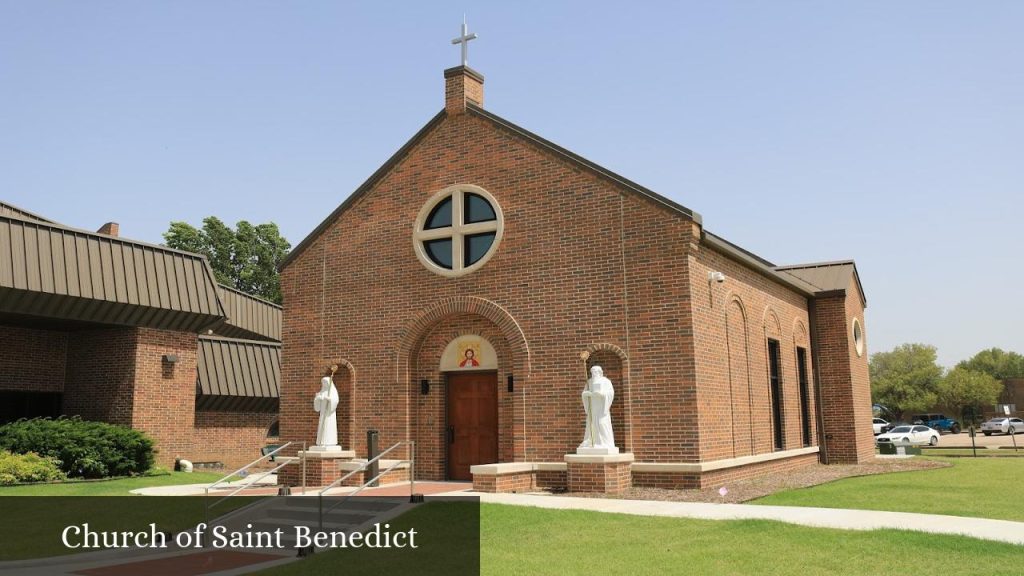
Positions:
(981, 487)
(522, 540)
(982, 452)
(118, 487)
(33, 523)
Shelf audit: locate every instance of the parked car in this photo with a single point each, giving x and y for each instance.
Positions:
(937, 422)
(880, 426)
(907, 434)
(1002, 426)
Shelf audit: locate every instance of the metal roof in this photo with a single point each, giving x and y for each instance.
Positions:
(248, 316)
(826, 276)
(54, 271)
(12, 210)
(230, 371)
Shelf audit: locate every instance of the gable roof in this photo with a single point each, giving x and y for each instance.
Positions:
(827, 276)
(510, 127)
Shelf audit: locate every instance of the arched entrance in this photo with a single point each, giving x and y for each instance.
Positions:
(453, 406)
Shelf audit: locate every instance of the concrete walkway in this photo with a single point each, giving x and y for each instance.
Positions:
(200, 489)
(985, 529)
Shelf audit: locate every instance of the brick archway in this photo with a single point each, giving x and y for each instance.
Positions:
(412, 334)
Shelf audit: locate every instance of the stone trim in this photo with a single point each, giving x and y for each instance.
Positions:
(517, 468)
(598, 458)
(699, 467)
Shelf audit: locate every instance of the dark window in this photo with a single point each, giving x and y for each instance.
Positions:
(16, 404)
(805, 396)
(275, 429)
(440, 216)
(477, 209)
(477, 246)
(775, 382)
(440, 252)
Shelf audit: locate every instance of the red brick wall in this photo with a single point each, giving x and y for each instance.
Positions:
(354, 291)
(734, 321)
(845, 383)
(101, 375)
(32, 359)
(234, 438)
(713, 478)
(164, 398)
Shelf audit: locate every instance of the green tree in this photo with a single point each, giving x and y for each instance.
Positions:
(962, 388)
(996, 363)
(245, 258)
(905, 379)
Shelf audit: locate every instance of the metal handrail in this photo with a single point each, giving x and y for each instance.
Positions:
(361, 468)
(412, 478)
(270, 454)
(253, 463)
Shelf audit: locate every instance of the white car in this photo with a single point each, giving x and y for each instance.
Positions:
(913, 435)
(879, 426)
(1002, 426)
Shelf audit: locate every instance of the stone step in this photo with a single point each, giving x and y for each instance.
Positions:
(358, 503)
(339, 514)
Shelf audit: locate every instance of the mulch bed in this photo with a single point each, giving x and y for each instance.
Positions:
(744, 490)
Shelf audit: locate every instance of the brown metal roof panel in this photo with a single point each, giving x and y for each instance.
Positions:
(45, 261)
(6, 259)
(71, 265)
(238, 368)
(12, 210)
(19, 275)
(60, 275)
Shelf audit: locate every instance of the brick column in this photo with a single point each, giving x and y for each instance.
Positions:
(609, 474)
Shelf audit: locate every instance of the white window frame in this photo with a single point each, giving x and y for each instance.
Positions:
(457, 231)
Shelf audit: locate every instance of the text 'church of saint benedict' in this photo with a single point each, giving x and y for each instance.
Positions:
(457, 288)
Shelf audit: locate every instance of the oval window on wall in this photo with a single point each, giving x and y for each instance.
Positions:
(458, 230)
(858, 337)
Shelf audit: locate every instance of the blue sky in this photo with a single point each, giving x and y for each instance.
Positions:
(889, 132)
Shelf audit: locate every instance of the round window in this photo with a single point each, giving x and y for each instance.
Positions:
(858, 337)
(458, 230)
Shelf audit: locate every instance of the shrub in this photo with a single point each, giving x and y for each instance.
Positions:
(31, 467)
(82, 448)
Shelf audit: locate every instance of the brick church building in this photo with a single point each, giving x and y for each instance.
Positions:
(107, 328)
(459, 285)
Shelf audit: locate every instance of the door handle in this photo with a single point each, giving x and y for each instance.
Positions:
(451, 434)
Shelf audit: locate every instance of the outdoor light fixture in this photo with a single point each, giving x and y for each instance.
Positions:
(716, 277)
(171, 358)
(424, 387)
(511, 384)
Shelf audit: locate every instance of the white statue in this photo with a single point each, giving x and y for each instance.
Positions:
(597, 402)
(326, 403)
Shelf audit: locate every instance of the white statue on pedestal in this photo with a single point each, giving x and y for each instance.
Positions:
(326, 403)
(597, 402)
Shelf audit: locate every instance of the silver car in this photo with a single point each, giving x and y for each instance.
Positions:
(1002, 426)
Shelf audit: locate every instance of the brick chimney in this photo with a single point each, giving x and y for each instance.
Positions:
(462, 84)
(110, 229)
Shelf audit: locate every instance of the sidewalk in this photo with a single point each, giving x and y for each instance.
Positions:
(985, 529)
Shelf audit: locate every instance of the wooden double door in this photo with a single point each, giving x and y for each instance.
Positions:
(472, 422)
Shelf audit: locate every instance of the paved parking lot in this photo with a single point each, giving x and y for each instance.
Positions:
(963, 439)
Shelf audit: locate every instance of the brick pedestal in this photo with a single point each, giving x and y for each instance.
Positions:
(606, 474)
(322, 468)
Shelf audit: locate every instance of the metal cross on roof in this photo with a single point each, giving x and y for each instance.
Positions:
(464, 39)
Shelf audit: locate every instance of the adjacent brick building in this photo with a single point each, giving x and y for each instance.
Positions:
(110, 329)
(480, 233)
